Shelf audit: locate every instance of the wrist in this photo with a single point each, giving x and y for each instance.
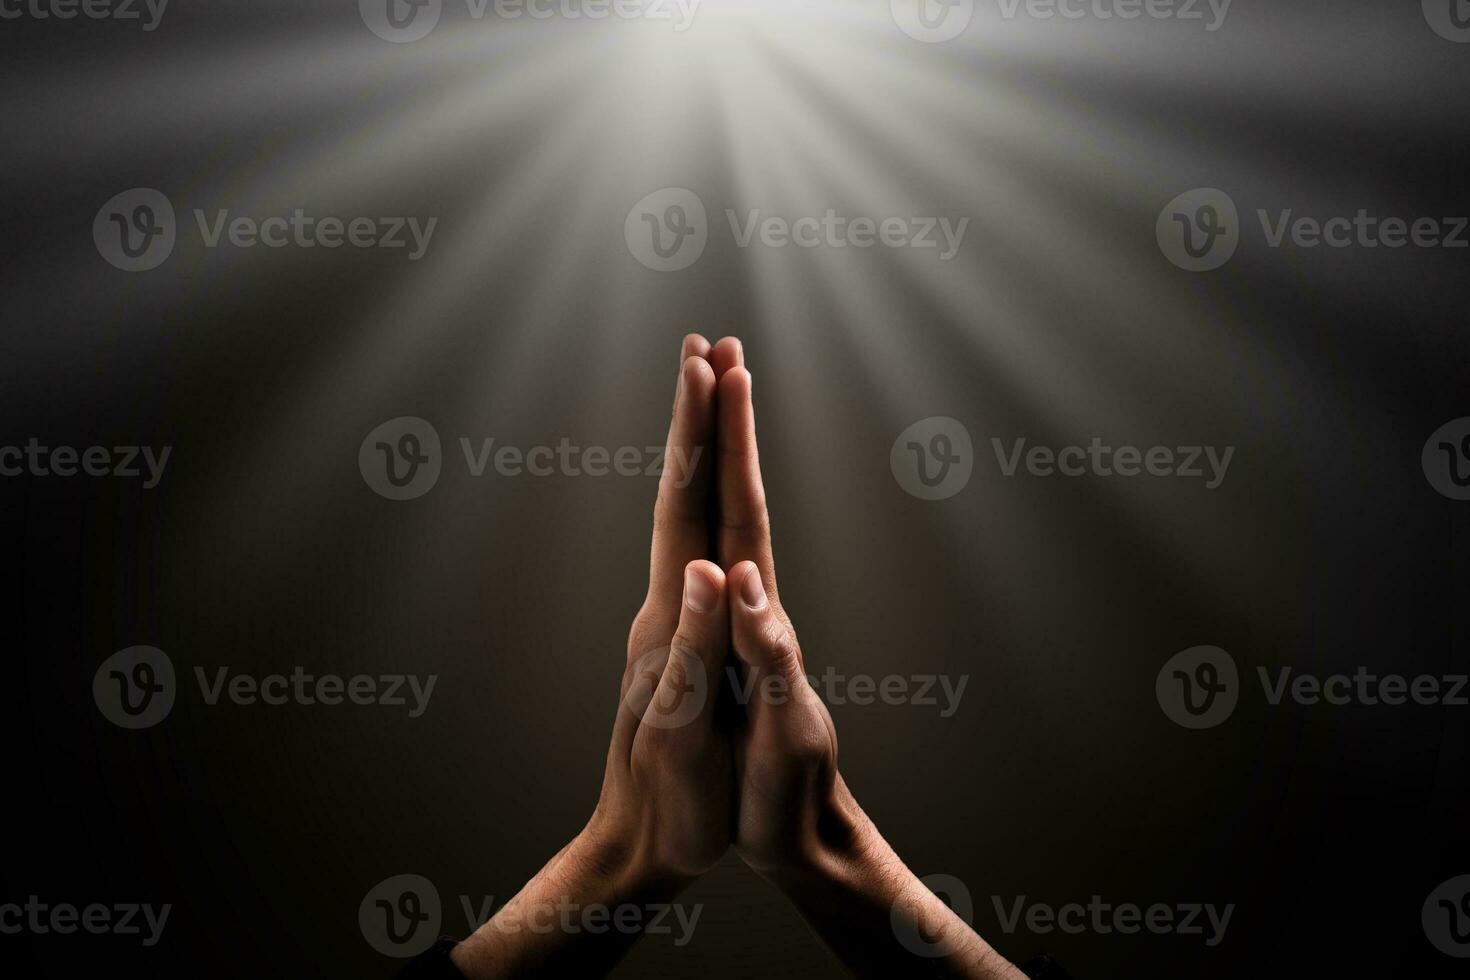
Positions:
(621, 864)
(842, 845)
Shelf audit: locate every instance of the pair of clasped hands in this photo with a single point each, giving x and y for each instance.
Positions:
(690, 772)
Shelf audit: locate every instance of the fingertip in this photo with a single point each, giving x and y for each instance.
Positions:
(735, 383)
(697, 375)
(706, 570)
(728, 353)
(695, 345)
(705, 565)
(702, 589)
(745, 578)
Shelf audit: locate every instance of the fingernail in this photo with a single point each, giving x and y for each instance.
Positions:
(699, 592)
(752, 593)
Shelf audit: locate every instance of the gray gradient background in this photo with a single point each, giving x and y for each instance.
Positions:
(529, 321)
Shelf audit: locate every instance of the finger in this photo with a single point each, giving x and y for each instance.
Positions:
(761, 637)
(726, 354)
(694, 345)
(691, 677)
(745, 527)
(680, 518)
(640, 681)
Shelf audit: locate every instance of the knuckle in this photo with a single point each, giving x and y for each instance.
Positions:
(687, 650)
(777, 645)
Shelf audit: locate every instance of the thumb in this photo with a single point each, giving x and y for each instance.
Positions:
(762, 639)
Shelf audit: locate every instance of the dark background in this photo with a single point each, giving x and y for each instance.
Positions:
(1058, 779)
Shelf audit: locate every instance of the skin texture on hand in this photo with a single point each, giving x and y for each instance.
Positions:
(798, 825)
(681, 785)
(666, 809)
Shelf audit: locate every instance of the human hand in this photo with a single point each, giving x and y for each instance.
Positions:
(667, 794)
(785, 744)
(798, 824)
(666, 809)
